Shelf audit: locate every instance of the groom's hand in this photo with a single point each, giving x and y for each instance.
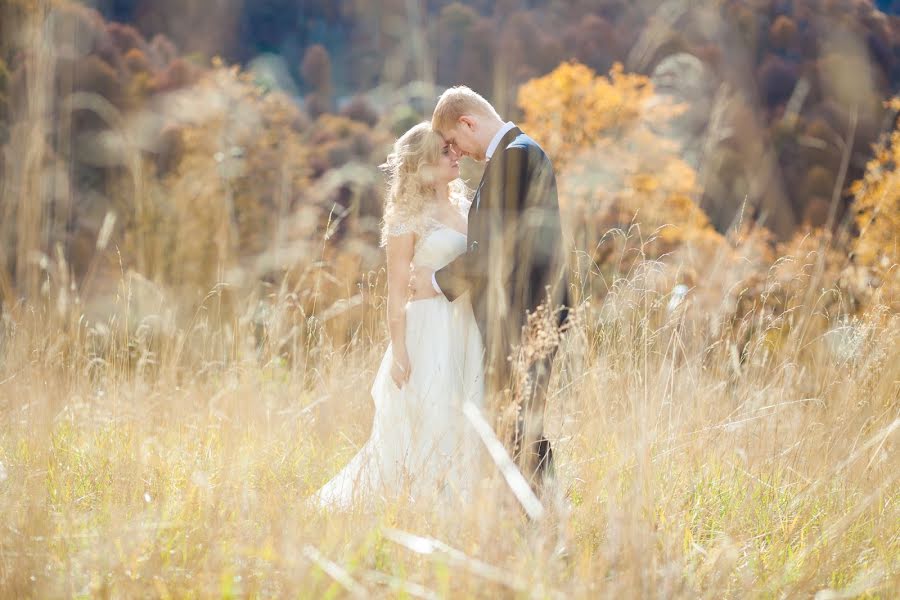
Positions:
(420, 287)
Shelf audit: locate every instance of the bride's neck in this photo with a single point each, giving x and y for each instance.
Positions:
(442, 194)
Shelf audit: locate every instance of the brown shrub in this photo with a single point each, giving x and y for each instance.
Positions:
(783, 32)
(777, 78)
(360, 109)
(316, 68)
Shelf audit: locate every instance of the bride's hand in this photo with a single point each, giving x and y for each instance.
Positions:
(400, 369)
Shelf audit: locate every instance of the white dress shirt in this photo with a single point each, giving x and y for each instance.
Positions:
(492, 147)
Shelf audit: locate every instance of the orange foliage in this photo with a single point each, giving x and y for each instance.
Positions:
(877, 209)
(616, 173)
(614, 170)
(571, 107)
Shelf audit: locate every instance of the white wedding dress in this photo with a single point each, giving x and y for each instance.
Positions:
(422, 447)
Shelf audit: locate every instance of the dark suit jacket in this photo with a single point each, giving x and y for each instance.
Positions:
(515, 244)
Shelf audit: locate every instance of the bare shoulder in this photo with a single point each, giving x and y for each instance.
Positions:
(400, 242)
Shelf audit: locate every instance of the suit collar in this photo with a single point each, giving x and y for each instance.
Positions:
(506, 140)
(498, 138)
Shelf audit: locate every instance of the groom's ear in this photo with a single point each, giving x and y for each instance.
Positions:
(467, 121)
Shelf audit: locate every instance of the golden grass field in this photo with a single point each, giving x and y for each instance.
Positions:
(735, 439)
(145, 460)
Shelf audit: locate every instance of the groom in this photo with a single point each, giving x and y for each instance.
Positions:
(515, 260)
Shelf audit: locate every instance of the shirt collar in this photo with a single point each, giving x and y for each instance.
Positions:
(492, 147)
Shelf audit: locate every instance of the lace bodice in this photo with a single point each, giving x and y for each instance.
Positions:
(438, 245)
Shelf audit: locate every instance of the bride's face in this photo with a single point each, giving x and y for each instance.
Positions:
(448, 165)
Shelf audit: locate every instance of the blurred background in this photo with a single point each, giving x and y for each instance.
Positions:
(229, 150)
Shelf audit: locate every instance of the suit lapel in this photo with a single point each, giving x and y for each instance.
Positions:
(505, 141)
(481, 185)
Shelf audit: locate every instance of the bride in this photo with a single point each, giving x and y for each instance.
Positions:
(421, 443)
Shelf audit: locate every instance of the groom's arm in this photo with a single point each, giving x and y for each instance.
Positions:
(459, 275)
(505, 193)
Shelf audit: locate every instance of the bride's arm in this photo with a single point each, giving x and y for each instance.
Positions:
(399, 257)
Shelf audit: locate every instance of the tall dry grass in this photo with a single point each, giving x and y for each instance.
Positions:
(139, 459)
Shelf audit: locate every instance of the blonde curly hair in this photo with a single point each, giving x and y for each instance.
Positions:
(410, 170)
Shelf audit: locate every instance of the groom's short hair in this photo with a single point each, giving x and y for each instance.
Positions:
(456, 102)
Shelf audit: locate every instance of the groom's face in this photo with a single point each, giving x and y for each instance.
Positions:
(463, 139)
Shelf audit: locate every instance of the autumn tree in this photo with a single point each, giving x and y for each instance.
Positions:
(614, 171)
(316, 68)
(877, 210)
(96, 82)
(125, 37)
(777, 78)
(359, 108)
(473, 68)
(453, 30)
(316, 73)
(783, 32)
(596, 42)
(571, 108)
